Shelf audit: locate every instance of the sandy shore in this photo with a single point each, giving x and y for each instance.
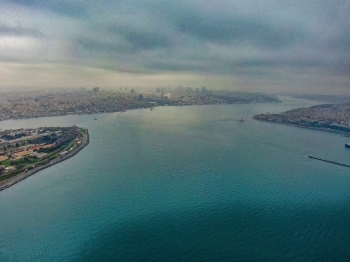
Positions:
(21, 176)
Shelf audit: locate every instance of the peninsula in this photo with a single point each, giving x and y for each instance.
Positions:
(329, 117)
(23, 152)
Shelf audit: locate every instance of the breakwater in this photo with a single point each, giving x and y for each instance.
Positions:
(21, 176)
(328, 161)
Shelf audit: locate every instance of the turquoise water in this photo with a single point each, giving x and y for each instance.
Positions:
(184, 184)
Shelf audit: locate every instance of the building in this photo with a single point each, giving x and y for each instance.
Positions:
(160, 89)
(96, 89)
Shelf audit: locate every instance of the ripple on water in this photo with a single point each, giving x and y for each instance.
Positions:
(226, 233)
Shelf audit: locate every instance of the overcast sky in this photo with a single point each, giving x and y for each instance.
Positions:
(266, 45)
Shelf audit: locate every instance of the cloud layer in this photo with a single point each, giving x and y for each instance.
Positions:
(299, 45)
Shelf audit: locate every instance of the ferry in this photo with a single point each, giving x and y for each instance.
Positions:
(347, 145)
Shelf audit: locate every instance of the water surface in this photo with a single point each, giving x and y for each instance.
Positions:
(184, 184)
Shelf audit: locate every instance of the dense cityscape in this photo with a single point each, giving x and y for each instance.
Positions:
(330, 117)
(39, 104)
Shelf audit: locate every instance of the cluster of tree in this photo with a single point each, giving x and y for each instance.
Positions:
(13, 137)
(47, 139)
(48, 149)
(23, 162)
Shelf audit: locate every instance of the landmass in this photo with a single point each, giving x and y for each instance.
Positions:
(329, 99)
(17, 105)
(23, 152)
(329, 117)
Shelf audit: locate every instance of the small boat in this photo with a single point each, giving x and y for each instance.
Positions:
(347, 145)
(95, 118)
(242, 120)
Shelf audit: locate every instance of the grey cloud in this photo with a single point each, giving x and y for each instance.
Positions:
(60, 7)
(235, 29)
(19, 31)
(140, 39)
(133, 43)
(102, 47)
(342, 67)
(233, 38)
(340, 42)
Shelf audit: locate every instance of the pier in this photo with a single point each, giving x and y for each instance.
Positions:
(332, 162)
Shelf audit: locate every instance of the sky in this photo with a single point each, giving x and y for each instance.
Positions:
(275, 46)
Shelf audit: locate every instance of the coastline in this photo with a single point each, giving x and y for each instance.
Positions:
(133, 108)
(307, 127)
(21, 176)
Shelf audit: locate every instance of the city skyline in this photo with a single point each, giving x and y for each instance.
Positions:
(264, 46)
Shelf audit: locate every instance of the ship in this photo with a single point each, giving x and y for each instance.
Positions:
(347, 145)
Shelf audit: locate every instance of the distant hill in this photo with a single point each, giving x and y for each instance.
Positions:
(333, 99)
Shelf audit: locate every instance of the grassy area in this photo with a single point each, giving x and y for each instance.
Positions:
(5, 162)
(24, 161)
(6, 176)
(71, 144)
(82, 130)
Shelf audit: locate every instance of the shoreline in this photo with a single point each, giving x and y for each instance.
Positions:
(21, 176)
(307, 127)
(127, 109)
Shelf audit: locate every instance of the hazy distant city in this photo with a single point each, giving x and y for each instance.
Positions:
(94, 100)
(19, 105)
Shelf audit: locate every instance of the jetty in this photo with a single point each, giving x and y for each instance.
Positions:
(328, 161)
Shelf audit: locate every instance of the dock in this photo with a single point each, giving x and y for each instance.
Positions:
(328, 161)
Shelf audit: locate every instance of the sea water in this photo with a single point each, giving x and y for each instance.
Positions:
(187, 183)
